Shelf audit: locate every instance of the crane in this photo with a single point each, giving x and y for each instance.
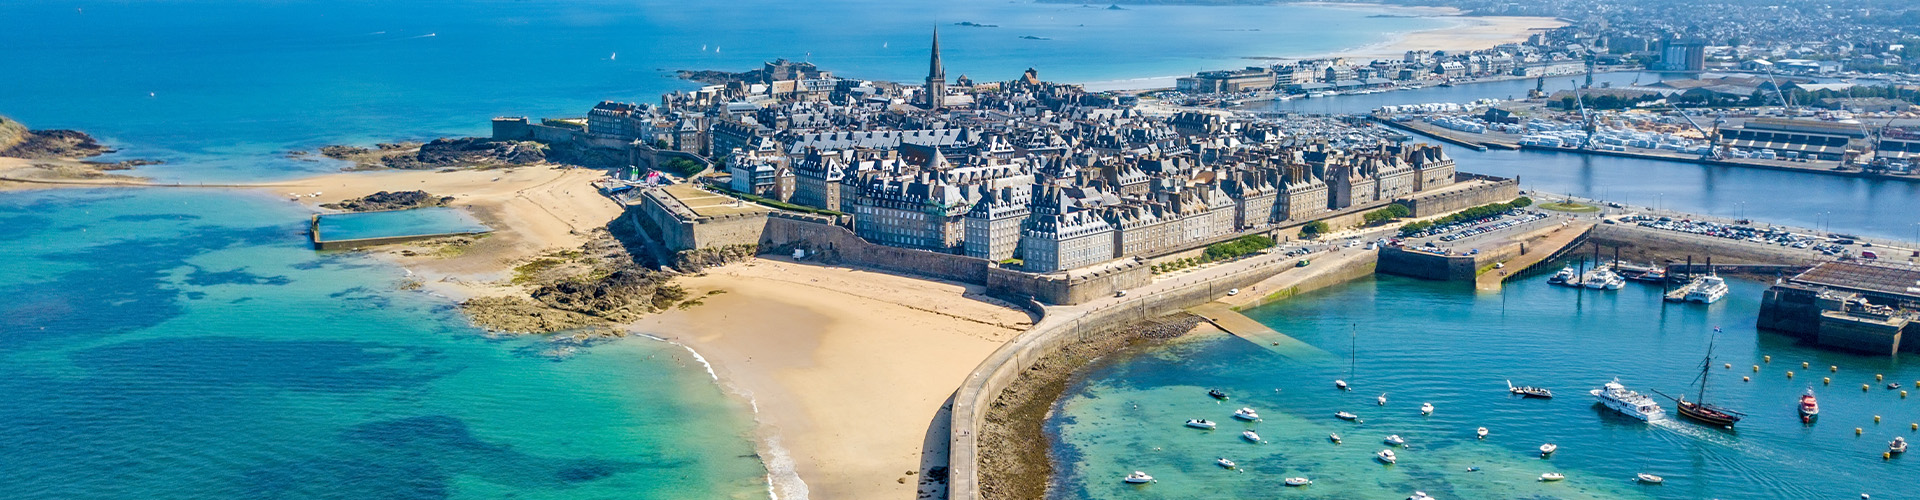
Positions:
(1586, 118)
(1713, 138)
(1786, 108)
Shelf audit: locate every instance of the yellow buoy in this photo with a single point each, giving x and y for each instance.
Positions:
(1729, 366)
(1876, 419)
(1803, 364)
(1916, 426)
(1903, 394)
(1833, 368)
(1826, 380)
(1863, 387)
(1877, 377)
(1746, 379)
(1769, 359)
(1856, 431)
(1789, 374)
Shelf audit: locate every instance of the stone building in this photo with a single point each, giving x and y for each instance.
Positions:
(993, 224)
(1059, 236)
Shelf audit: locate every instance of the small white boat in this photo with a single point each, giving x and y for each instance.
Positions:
(1480, 433)
(1335, 437)
(1341, 384)
(1223, 462)
(1382, 399)
(1395, 440)
(1645, 478)
(1552, 476)
(1246, 414)
(1420, 495)
(1346, 416)
(1386, 456)
(1200, 424)
(1138, 477)
(1426, 408)
(1548, 449)
(1250, 436)
(1898, 446)
(1298, 481)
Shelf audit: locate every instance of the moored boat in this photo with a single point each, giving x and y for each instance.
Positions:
(1898, 446)
(1395, 440)
(1552, 476)
(1420, 495)
(1138, 477)
(1217, 394)
(1386, 456)
(1298, 481)
(1335, 437)
(1809, 406)
(1224, 463)
(1480, 433)
(1382, 399)
(1561, 278)
(1246, 414)
(1426, 408)
(1645, 478)
(1250, 436)
(1528, 391)
(1548, 449)
(1341, 384)
(1346, 416)
(1199, 423)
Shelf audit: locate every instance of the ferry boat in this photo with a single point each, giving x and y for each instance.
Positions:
(1632, 404)
(1699, 409)
(1528, 391)
(1246, 414)
(1809, 406)
(1198, 423)
(1707, 289)
(1138, 477)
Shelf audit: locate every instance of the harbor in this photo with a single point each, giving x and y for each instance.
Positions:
(1428, 342)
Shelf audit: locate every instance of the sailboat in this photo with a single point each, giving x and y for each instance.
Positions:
(1699, 409)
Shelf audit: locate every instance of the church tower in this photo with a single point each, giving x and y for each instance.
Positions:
(936, 89)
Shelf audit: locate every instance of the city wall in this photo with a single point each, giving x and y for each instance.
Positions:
(1062, 290)
(783, 233)
(1057, 329)
(678, 228)
(1494, 190)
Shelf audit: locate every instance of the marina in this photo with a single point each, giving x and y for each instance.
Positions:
(1550, 337)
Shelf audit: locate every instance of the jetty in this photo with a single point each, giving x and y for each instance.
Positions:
(1222, 316)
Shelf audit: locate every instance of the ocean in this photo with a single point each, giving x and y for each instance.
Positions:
(186, 343)
(1429, 342)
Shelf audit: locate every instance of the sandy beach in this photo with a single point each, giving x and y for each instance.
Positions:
(532, 210)
(848, 369)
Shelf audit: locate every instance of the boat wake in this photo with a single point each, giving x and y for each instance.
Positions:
(1734, 457)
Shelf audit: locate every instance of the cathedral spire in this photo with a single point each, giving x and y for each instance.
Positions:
(936, 89)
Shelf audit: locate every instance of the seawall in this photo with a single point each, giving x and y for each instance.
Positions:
(1062, 326)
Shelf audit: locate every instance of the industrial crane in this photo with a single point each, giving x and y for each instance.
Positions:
(1586, 118)
(1713, 138)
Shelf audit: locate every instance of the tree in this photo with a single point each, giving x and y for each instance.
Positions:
(1522, 202)
(1313, 229)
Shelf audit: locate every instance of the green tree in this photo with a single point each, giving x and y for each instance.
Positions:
(1313, 229)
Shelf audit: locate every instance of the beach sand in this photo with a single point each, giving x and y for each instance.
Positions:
(848, 369)
(533, 210)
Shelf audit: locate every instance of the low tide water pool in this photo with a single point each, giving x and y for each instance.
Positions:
(398, 223)
(1423, 342)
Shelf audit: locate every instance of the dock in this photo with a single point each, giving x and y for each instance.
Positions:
(1540, 248)
(1228, 320)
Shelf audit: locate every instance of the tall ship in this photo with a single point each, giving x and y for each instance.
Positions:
(1633, 404)
(1699, 409)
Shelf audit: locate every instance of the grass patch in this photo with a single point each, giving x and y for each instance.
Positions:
(528, 272)
(1568, 206)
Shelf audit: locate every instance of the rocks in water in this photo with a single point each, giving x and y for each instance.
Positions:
(519, 315)
(620, 296)
(18, 142)
(463, 152)
(396, 200)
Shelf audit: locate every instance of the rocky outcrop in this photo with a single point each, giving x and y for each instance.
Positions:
(621, 296)
(396, 200)
(463, 152)
(18, 142)
(699, 259)
(519, 315)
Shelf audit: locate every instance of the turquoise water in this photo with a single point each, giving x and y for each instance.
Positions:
(1432, 342)
(183, 344)
(415, 222)
(187, 344)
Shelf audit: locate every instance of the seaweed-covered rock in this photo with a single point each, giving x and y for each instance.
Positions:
(620, 296)
(470, 151)
(396, 200)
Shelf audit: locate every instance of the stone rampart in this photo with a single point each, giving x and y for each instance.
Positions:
(1493, 190)
(1064, 290)
(784, 233)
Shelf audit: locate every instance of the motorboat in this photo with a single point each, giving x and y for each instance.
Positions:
(1420, 495)
(1561, 278)
(1335, 437)
(1645, 478)
(1548, 449)
(1809, 406)
(1346, 416)
(1597, 279)
(1199, 423)
(1706, 289)
(1480, 433)
(1217, 394)
(1395, 440)
(1898, 446)
(1630, 403)
(1224, 463)
(1250, 436)
(1893, 385)
(1386, 456)
(1138, 477)
(1552, 476)
(1528, 391)
(1298, 481)
(1246, 414)
(1382, 399)
(1426, 408)
(1341, 384)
